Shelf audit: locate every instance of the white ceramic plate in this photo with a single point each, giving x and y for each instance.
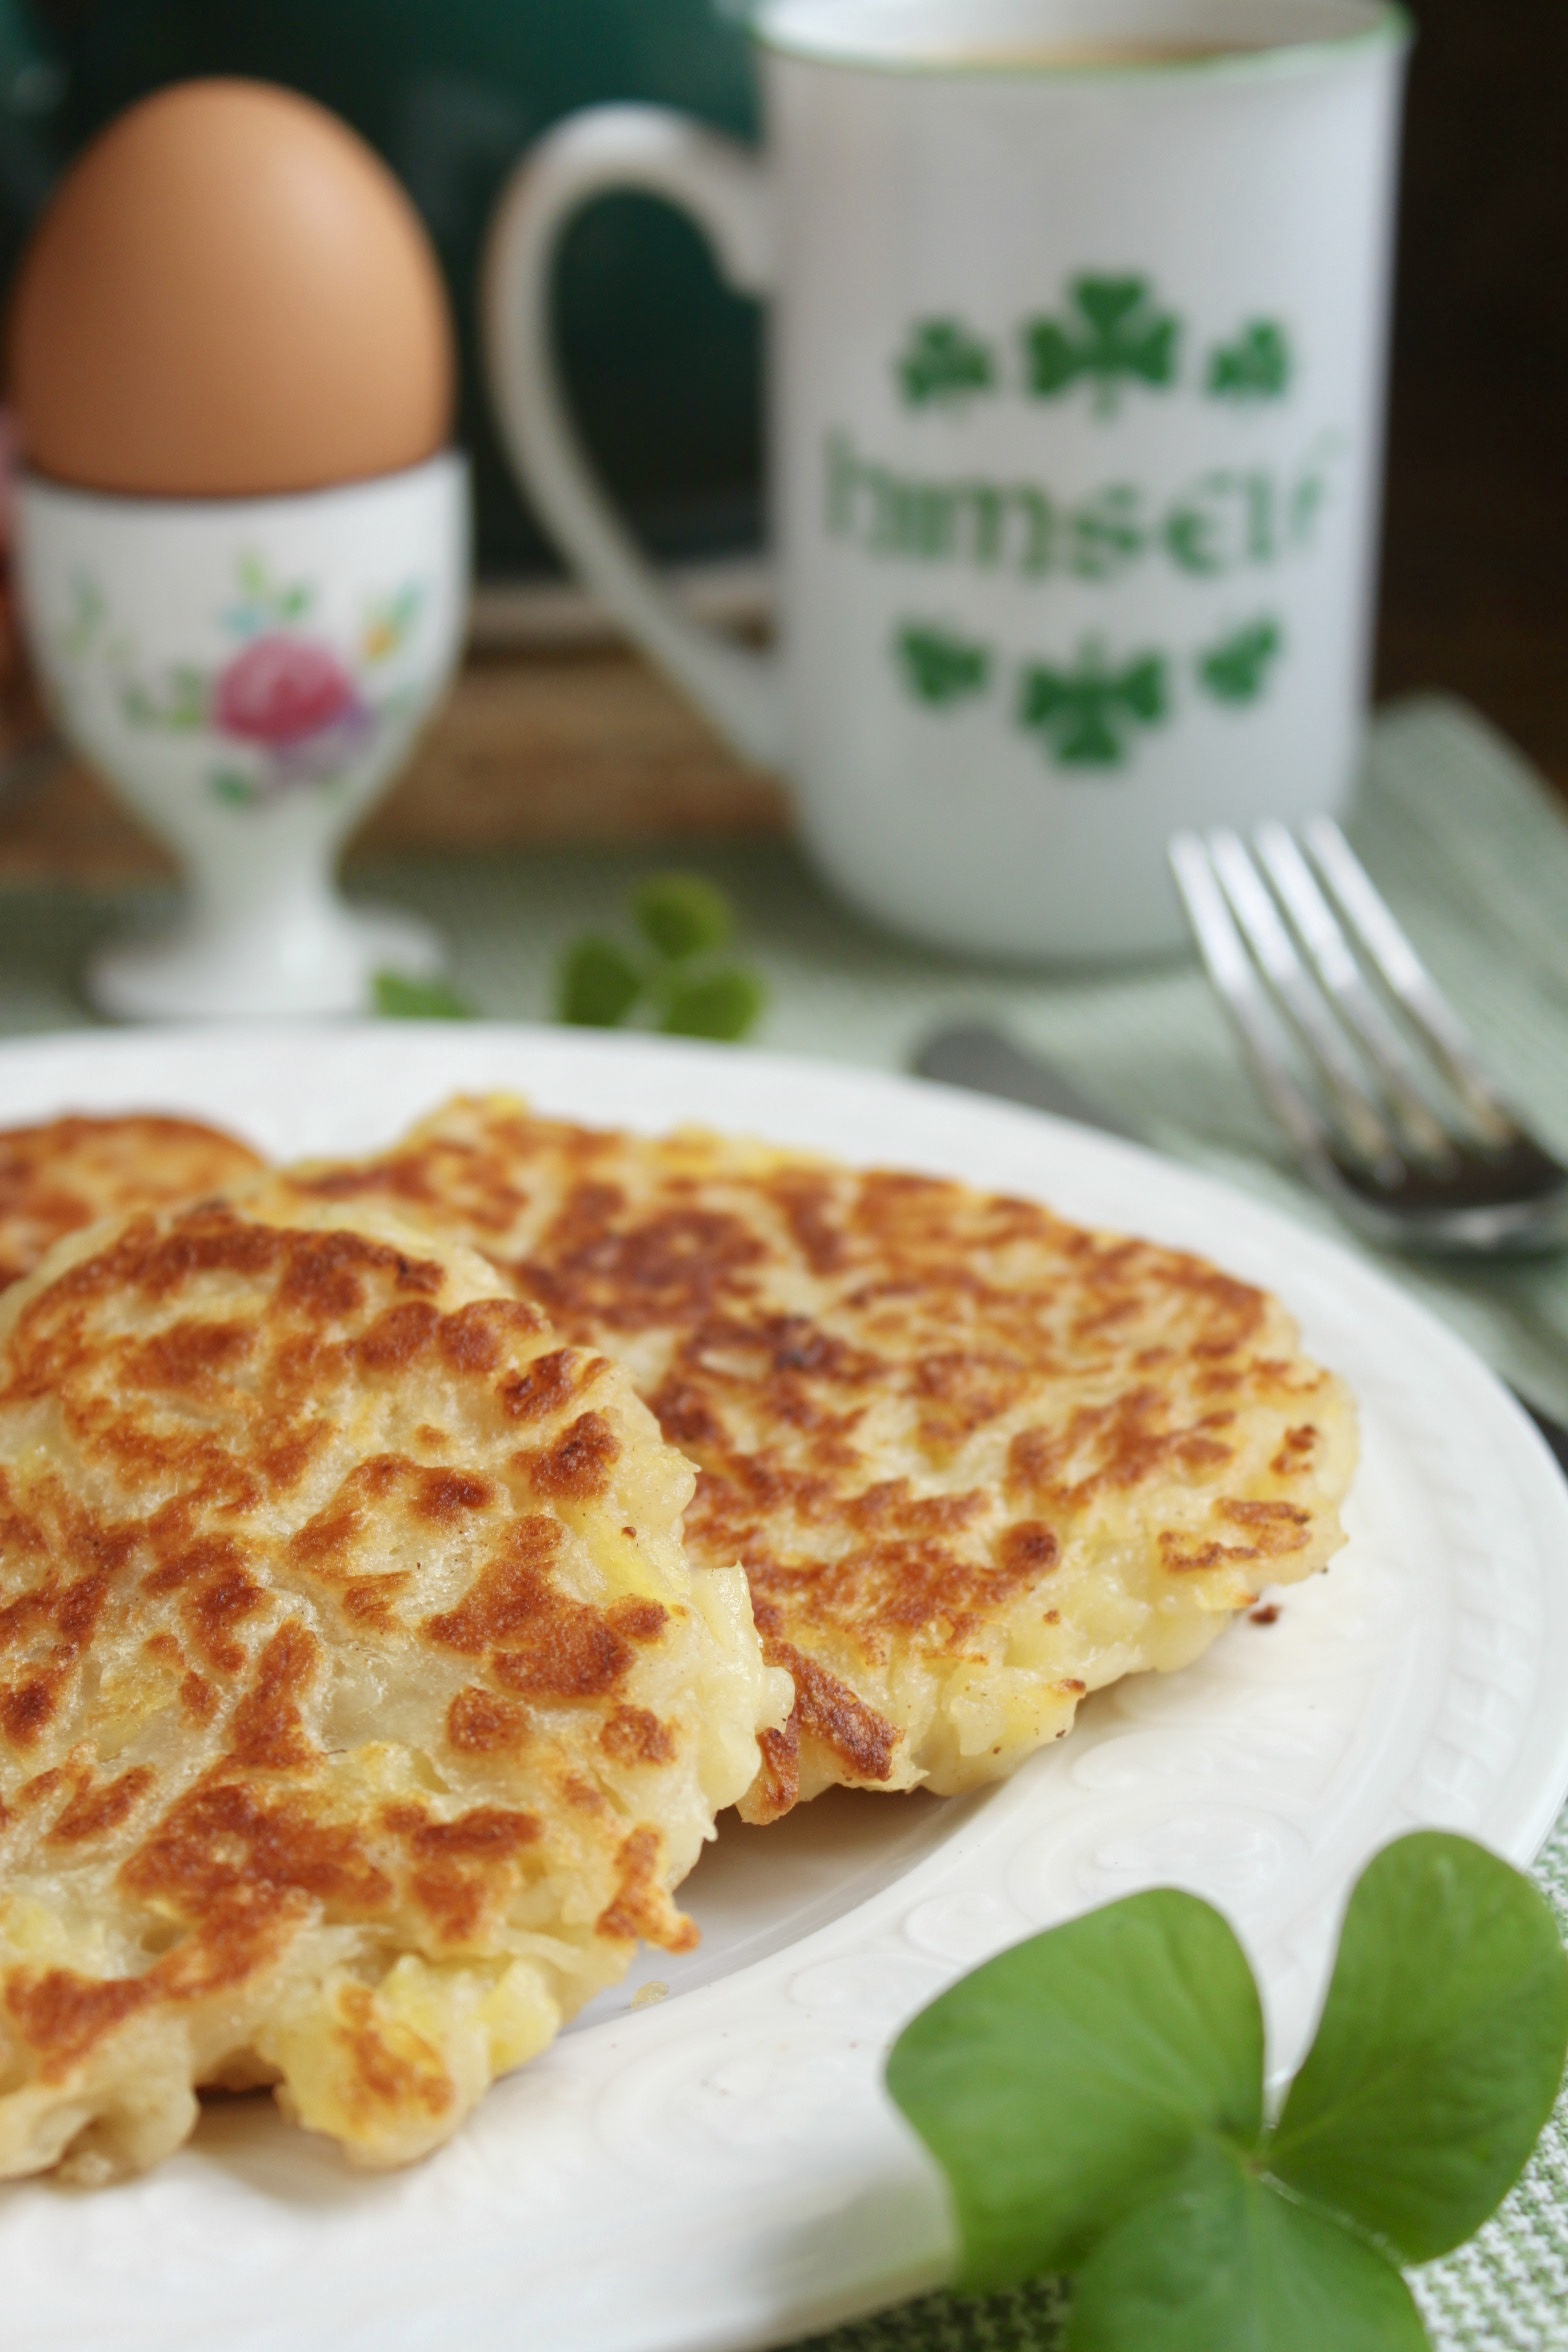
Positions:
(721, 2168)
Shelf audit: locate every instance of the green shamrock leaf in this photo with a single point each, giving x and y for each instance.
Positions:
(1440, 2049)
(1118, 337)
(685, 921)
(1259, 365)
(940, 668)
(1095, 2098)
(1134, 2030)
(943, 362)
(682, 915)
(1218, 2261)
(724, 1006)
(599, 985)
(1237, 669)
(399, 997)
(1088, 717)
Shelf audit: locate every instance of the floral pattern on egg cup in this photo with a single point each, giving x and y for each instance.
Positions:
(285, 698)
(250, 675)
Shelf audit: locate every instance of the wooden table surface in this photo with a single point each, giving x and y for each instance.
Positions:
(586, 743)
(559, 745)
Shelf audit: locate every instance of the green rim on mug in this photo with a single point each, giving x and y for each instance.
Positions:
(777, 25)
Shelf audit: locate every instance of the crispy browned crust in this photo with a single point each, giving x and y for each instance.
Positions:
(56, 1178)
(323, 1615)
(921, 1415)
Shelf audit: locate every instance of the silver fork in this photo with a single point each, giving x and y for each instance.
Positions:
(1358, 1053)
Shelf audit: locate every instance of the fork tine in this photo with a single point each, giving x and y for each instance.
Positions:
(1342, 980)
(1410, 983)
(1356, 1113)
(1235, 982)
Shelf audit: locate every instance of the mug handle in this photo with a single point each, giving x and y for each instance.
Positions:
(726, 190)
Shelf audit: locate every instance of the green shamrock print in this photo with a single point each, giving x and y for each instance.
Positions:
(1259, 365)
(1237, 670)
(944, 363)
(1118, 337)
(1089, 717)
(939, 668)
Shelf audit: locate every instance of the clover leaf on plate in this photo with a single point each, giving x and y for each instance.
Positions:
(1218, 2259)
(1068, 2076)
(1440, 2049)
(1095, 2098)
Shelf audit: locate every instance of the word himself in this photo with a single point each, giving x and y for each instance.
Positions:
(1229, 520)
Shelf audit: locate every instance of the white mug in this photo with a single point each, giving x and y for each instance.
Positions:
(250, 674)
(1076, 393)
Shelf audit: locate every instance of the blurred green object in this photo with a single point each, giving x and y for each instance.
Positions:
(686, 921)
(724, 1007)
(662, 361)
(398, 998)
(683, 915)
(599, 985)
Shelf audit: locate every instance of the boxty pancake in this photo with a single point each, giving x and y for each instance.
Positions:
(67, 1173)
(358, 1711)
(976, 1461)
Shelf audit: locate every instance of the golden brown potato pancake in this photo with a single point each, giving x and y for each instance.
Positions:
(976, 1461)
(358, 1712)
(67, 1173)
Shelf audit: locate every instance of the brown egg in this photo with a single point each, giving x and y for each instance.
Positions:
(229, 296)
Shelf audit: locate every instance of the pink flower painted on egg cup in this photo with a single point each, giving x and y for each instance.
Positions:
(295, 701)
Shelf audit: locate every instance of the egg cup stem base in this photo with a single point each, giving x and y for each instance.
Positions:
(321, 961)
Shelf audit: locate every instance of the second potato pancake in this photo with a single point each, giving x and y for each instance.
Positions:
(67, 1173)
(976, 1461)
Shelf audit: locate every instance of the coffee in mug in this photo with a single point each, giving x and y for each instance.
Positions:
(1076, 391)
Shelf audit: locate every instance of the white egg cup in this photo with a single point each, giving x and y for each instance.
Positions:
(250, 674)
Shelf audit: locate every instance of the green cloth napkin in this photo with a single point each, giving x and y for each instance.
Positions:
(1472, 852)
